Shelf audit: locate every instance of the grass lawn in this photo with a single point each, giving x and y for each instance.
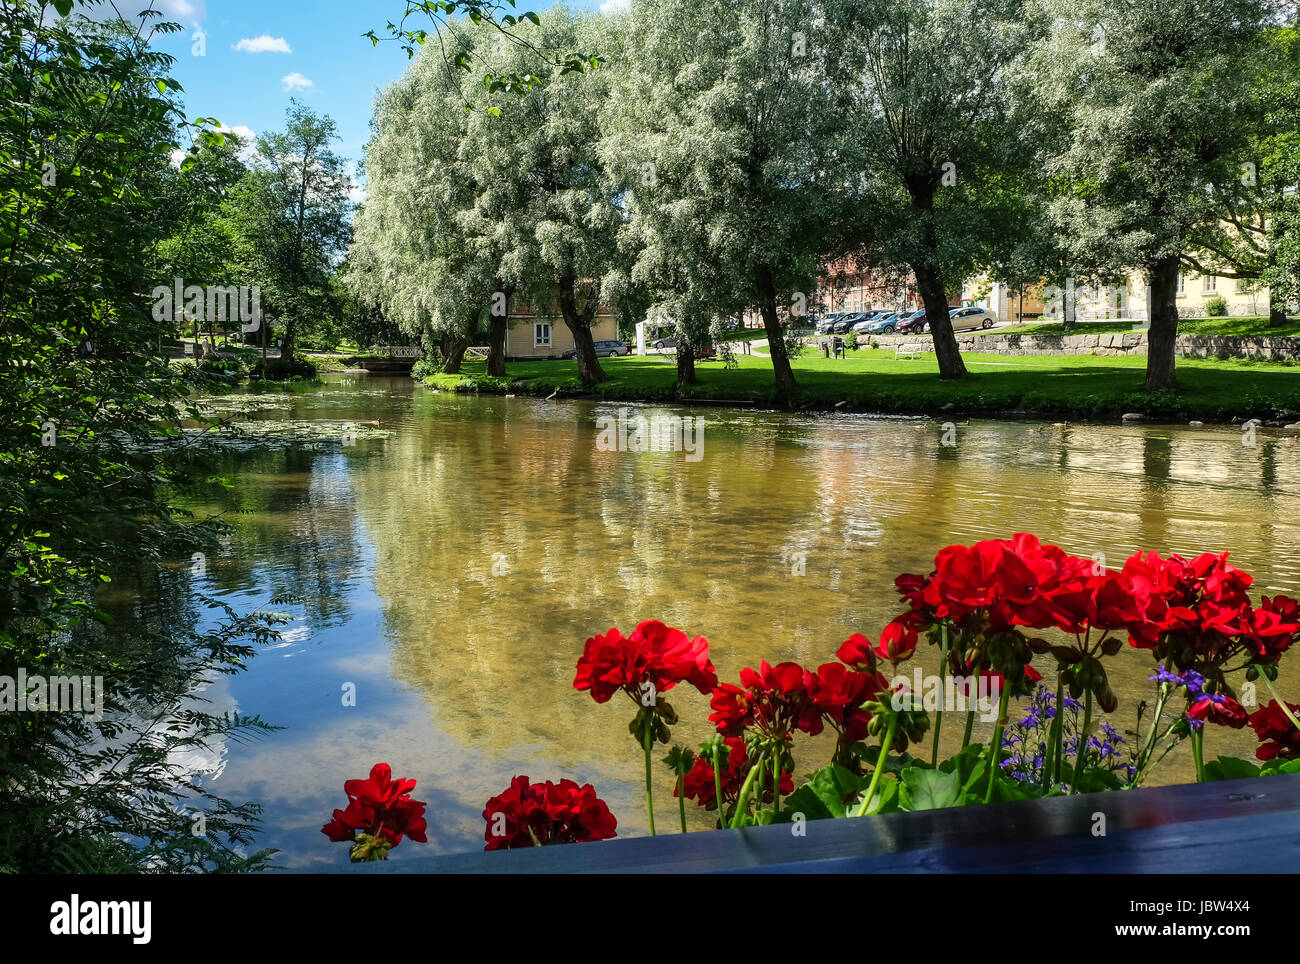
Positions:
(1082, 386)
(1249, 327)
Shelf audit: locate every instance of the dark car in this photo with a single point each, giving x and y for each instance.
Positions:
(844, 323)
(825, 323)
(913, 323)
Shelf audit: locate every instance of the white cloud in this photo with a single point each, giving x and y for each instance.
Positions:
(183, 10)
(295, 81)
(265, 44)
(615, 6)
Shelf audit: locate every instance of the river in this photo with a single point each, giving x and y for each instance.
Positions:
(448, 573)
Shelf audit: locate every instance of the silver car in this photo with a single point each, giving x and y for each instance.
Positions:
(967, 319)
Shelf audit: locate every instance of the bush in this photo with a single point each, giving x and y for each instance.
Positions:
(851, 341)
(1216, 307)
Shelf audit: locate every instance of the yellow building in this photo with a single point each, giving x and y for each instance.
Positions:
(530, 335)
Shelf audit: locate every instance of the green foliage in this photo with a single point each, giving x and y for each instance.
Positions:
(92, 459)
(1216, 307)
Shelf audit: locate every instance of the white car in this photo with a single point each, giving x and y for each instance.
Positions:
(966, 319)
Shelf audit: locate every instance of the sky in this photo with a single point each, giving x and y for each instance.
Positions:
(257, 54)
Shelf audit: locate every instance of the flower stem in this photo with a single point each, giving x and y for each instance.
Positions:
(744, 795)
(1148, 744)
(646, 741)
(717, 786)
(943, 673)
(995, 748)
(1280, 702)
(1052, 766)
(970, 728)
(1082, 750)
(1198, 752)
(880, 765)
(776, 781)
(681, 798)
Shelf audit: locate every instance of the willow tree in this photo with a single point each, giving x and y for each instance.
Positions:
(1156, 118)
(541, 189)
(931, 141)
(416, 251)
(725, 134)
(650, 148)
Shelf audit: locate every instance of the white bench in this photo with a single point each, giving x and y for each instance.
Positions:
(909, 350)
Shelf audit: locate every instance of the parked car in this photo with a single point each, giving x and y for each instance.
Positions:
(913, 323)
(885, 324)
(863, 324)
(668, 341)
(966, 319)
(824, 324)
(604, 349)
(844, 323)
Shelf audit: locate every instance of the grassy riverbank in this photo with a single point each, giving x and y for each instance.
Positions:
(1077, 386)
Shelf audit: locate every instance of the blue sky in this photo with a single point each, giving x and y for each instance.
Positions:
(311, 49)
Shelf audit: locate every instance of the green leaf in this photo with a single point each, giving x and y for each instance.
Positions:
(828, 793)
(1230, 768)
(929, 789)
(63, 6)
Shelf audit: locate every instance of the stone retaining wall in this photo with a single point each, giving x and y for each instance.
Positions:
(1119, 343)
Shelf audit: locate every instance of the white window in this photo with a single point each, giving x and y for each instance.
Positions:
(1182, 284)
(1208, 284)
(542, 335)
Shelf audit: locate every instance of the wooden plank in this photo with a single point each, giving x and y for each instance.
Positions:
(1241, 825)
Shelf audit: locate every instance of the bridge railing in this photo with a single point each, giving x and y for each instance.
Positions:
(397, 351)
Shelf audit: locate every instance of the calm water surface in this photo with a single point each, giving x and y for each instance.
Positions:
(451, 572)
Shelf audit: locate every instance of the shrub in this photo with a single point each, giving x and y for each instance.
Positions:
(1216, 307)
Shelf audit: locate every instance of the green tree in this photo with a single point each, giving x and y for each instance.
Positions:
(728, 150)
(292, 212)
(932, 141)
(92, 457)
(1154, 118)
(1253, 240)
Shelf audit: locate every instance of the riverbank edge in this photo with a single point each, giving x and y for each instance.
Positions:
(1163, 408)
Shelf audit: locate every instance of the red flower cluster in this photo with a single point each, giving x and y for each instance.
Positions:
(1278, 736)
(1190, 613)
(699, 784)
(1198, 612)
(778, 700)
(654, 653)
(529, 815)
(379, 807)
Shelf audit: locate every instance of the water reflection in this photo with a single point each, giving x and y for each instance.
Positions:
(452, 571)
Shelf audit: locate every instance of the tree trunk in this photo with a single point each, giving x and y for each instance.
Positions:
(935, 299)
(1276, 310)
(785, 384)
(1163, 276)
(496, 359)
(497, 326)
(685, 364)
(579, 325)
(453, 352)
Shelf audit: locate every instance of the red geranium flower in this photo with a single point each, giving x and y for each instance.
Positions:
(654, 653)
(836, 694)
(380, 808)
(529, 815)
(772, 699)
(856, 652)
(1218, 709)
(897, 643)
(1278, 736)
